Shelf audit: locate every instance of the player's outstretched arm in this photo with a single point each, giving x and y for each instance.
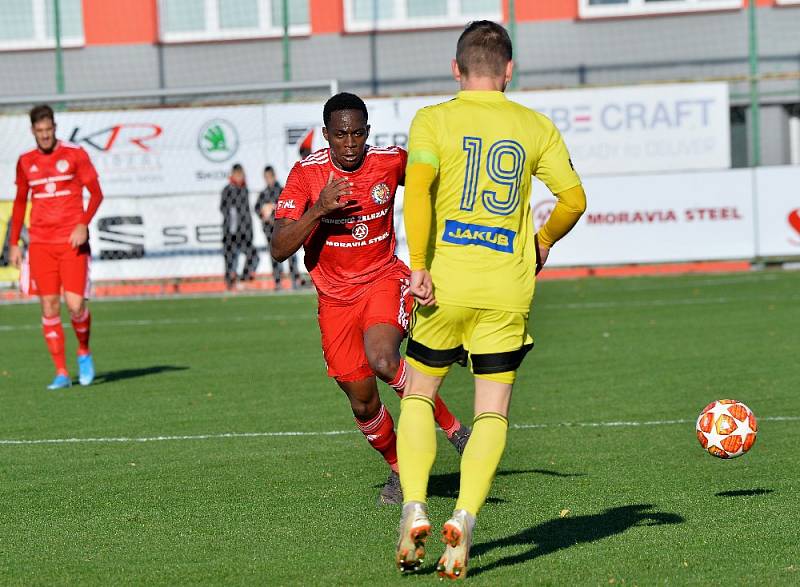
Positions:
(568, 210)
(289, 235)
(417, 215)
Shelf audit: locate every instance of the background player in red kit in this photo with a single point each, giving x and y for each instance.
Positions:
(338, 204)
(55, 173)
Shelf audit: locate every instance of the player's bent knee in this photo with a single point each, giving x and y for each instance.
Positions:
(76, 311)
(384, 364)
(51, 306)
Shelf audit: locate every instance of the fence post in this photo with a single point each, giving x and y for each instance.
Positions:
(512, 32)
(60, 86)
(287, 63)
(373, 51)
(755, 110)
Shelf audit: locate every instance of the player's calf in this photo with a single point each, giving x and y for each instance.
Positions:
(379, 432)
(457, 433)
(82, 327)
(53, 333)
(376, 424)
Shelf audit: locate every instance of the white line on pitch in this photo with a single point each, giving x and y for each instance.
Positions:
(662, 303)
(224, 435)
(311, 315)
(176, 321)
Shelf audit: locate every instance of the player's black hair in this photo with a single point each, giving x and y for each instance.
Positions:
(237, 167)
(343, 101)
(42, 112)
(269, 168)
(483, 49)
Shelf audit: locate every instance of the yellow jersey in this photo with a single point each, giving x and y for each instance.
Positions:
(486, 148)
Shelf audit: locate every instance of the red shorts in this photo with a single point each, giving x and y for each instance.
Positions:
(388, 301)
(54, 267)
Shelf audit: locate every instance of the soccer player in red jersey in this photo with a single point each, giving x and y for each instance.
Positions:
(338, 204)
(55, 173)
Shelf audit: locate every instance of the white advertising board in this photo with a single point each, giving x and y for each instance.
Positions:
(657, 218)
(778, 211)
(147, 152)
(629, 219)
(649, 219)
(635, 129)
(189, 150)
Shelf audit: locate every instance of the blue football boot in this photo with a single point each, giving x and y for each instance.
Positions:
(85, 369)
(60, 382)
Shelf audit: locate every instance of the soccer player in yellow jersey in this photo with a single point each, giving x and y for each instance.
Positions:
(474, 256)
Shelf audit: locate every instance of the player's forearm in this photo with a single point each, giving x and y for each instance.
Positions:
(289, 235)
(568, 210)
(95, 199)
(18, 215)
(417, 212)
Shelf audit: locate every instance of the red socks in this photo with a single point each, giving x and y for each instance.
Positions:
(399, 381)
(379, 432)
(54, 337)
(443, 416)
(82, 326)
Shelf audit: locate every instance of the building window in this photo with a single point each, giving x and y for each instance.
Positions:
(367, 15)
(30, 24)
(606, 8)
(222, 20)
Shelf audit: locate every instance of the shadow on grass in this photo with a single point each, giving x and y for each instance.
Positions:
(446, 484)
(111, 376)
(560, 533)
(744, 492)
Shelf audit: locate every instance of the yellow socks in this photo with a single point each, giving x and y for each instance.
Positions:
(479, 461)
(416, 451)
(416, 446)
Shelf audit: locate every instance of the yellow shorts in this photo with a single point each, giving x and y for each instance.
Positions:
(493, 341)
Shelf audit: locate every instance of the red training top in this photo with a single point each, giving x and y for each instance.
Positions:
(349, 250)
(55, 181)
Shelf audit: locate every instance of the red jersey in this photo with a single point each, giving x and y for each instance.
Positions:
(55, 181)
(349, 250)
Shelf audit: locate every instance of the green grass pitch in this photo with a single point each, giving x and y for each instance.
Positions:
(602, 482)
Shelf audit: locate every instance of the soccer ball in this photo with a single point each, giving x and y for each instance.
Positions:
(726, 428)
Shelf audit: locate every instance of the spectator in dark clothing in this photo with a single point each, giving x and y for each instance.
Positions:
(265, 209)
(237, 228)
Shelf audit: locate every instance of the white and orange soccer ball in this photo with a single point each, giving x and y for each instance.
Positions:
(726, 428)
